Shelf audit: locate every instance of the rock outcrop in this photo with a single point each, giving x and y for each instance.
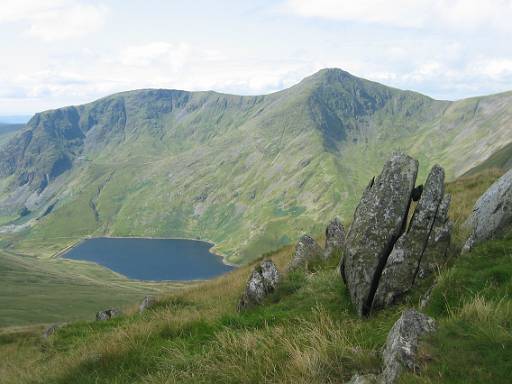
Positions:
(147, 303)
(382, 257)
(379, 220)
(492, 213)
(439, 241)
(401, 347)
(334, 238)
(306, 250)
(263, 281)
(403, 262)
(107, 314)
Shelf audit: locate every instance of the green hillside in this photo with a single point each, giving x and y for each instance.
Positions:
(306, 332)
(249, 173)
(501, 160)
(34, 291)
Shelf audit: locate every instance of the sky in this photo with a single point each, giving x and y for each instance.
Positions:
(66, 52)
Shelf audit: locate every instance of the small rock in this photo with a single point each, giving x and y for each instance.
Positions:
(263, 281)
(334, 238)
(425, 298)
(364, 379)
(492, 213)
(147, 303)
(107, 314)
(402, 344)
(50, 330)
(306, 250)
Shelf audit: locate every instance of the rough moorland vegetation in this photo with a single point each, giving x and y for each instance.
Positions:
(306, 330)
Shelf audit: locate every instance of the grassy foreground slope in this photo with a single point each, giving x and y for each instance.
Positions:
(41, 291)
(307, 332)
(249, 173)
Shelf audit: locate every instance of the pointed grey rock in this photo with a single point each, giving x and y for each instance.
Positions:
(379, 220)
(334, 238)
(492, 213)
(436, 253)
(263, 281)
(306, 250)
(403, 262)
(401, 347)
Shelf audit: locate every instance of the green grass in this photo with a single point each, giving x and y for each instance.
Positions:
(501, 160)
(473, 302)
(307, 331)
(34, 291)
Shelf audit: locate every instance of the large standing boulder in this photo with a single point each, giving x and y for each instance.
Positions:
(492, 213)
(334, 238)
(401, 347)
(306, 250)
(263, 281)
(403, 262)
(379, 220)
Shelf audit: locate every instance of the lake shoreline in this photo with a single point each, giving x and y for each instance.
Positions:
(80, 241)
(124, 250)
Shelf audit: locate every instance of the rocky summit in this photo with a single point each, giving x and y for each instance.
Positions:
(382, 256)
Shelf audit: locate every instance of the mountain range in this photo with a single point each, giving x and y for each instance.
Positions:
(250, 173)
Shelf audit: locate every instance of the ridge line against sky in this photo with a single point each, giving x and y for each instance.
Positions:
(62, 52)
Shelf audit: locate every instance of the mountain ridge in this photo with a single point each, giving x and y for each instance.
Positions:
(249, 173)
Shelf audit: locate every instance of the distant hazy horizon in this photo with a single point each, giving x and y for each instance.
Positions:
(15, 119)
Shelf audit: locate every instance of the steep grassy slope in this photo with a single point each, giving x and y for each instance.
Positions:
(307, 332)
(248, 173)
(7, 131)
(501, 160)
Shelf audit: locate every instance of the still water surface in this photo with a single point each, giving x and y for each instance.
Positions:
(152, 259)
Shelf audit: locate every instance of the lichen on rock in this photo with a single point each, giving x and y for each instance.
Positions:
(306, 251)
(263, 281)
(379, 220)
(492, 213)
(334, 238)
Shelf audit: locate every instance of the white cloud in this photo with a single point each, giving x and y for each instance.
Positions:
(52, 20)
(453, 14)
(147, 54)
(496, 68)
